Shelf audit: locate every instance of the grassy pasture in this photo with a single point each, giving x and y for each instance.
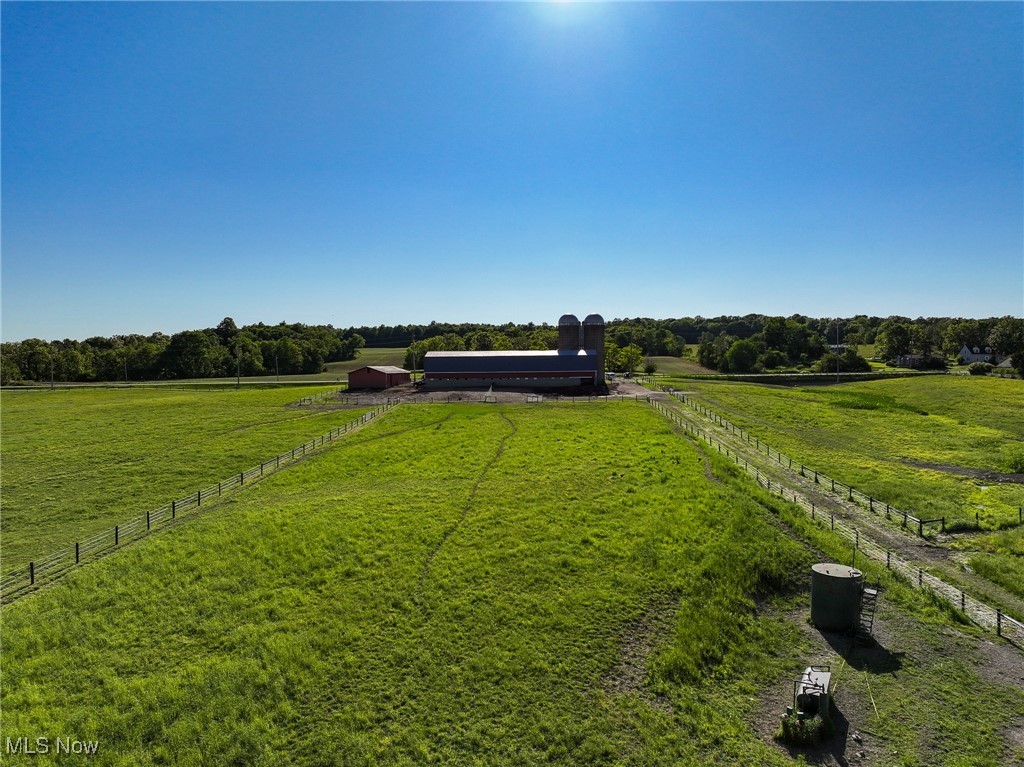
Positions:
(460, 585)
(871, 435)
(75, 462)
(875, 435)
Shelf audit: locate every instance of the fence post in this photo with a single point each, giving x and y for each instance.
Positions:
(261, 468)
(977, 520)
(812, 510)
(77, 551)
(816, 478)
(888, 559)
(920, 577)
(871, 502)
(147, 527)
(832, 515)
(241, 477)
(117, 535)
(999, 622)
(174, 508)
(31, 573)
(920, 528)
(856, 532)
(963, 602)
(199, 497)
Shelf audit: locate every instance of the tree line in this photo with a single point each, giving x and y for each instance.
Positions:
(225, 350)
(749, 343)
(830, 344)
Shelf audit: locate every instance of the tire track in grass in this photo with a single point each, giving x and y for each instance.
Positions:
(465, 509)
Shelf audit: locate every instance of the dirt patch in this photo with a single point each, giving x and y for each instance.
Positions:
(852, 742)
(983, 475)
(512, 395)
(641, 636)
(1014, 738)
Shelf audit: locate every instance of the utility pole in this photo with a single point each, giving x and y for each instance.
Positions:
(837, 355)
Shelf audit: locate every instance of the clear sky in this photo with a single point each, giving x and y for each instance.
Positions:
(166, 165)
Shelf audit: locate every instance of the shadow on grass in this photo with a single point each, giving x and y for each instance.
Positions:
(869, 655)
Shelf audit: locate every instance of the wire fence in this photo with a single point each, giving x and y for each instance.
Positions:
(977, 611)
(319, 397)
(21, 580)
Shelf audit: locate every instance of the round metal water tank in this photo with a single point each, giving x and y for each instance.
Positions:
(835, 596)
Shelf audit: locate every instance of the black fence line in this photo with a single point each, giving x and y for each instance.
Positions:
(980, 613)
(17, 582)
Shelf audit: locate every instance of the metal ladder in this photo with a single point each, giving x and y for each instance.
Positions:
(868, 605)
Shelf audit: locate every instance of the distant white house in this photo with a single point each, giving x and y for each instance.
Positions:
(977, 354)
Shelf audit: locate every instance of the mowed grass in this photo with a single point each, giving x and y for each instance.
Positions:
(76, 462)
(452, 585)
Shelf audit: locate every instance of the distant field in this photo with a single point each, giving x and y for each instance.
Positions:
(669, 366)
(75, 462)
(471, 585)
(381, 356)
(336, 372)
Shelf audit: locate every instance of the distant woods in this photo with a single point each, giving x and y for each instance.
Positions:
(756, 343)
(211, 353)
(751, 343)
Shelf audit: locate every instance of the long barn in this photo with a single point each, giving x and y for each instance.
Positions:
(578, 361)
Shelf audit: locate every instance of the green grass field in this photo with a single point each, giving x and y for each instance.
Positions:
(676, 366)
(903, 441)
(75, 462)
(875, 435)
(473, 585)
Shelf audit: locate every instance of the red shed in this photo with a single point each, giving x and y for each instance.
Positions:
(378, 377)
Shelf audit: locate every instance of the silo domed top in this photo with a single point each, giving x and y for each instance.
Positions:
(594, 319)
(568, 319)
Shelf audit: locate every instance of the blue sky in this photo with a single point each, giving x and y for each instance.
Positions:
(166, 165)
